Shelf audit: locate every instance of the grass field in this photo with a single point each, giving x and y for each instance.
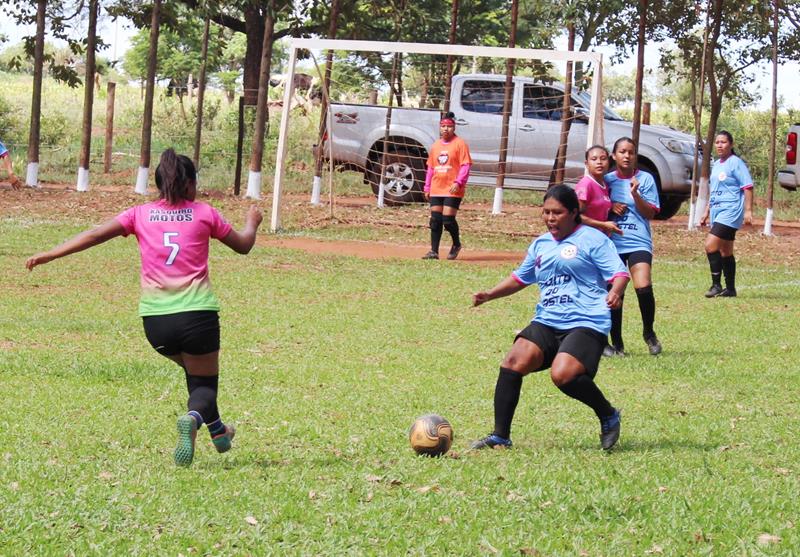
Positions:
(326, 362)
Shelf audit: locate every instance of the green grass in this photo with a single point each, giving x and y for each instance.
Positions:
(327, 360)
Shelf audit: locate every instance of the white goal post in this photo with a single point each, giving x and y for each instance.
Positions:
(595, 122)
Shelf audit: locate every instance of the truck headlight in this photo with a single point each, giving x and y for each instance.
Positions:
(678, 146)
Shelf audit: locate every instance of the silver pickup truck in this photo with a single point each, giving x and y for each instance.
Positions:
(789, 177)
(357, 136)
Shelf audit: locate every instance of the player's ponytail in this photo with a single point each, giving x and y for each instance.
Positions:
(173, 175)
(567, 197)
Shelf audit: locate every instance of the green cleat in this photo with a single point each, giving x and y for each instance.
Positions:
(187, 432)
(223, 441)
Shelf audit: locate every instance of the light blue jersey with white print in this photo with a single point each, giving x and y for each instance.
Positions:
(729, 179)
(636, 235)
(3, 150)
(572, 275)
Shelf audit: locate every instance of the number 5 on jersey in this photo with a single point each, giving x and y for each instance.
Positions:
(168, 244)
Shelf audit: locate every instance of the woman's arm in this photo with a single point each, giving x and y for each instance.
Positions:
(748, 206)
(242, 242)
(84, 240)
(606, 227)
(643, 206)
(506, 287)
(614, 296)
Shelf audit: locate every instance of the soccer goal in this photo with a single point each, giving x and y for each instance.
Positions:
(381, 104)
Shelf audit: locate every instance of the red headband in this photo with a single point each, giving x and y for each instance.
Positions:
(447, 121)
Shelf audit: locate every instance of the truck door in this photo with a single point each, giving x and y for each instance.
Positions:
(538, 133)
(480, 120)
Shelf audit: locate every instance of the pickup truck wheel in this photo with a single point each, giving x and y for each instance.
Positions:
(404, 178)
(669, 204)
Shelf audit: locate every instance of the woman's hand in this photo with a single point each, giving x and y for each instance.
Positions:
(609, 227)
(704, 220)
(38, 259)
(748, 217)
(254, 216)
(634, 186)
(619, 209)
(480, 298)
(427, 195)
(454, 188)
(613, 301)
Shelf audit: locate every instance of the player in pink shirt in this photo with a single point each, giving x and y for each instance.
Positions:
(593, 194)
(178, 308)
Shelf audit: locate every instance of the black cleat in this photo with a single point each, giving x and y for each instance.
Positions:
(653, 345)
(609, 430)
(728, 293)
(454, 251)
(611, 351)
(491, 442)
(714, 291)
(431, 255)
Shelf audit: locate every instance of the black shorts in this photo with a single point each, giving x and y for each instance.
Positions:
(635, 257)
(585, 344)
(454, 202)
(192, 332)
(723, 231)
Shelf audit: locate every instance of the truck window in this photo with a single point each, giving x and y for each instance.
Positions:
(483, 96)
(544, 103)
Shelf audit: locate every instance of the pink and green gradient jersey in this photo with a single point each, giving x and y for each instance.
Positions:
(173, 244)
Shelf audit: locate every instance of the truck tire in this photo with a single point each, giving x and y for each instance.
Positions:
(404, 177)
(669, 203)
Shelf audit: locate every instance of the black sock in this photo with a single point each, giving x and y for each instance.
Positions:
(436, 231)
(715, 263)
(451, 225)
(616, 326)
(203, 396)
(584, 389)
(729, 270)
(647, 307)
(506, 397)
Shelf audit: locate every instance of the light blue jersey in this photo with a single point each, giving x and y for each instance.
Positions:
(3, 150)
(729, 179)
(572, 276)
(636, 235)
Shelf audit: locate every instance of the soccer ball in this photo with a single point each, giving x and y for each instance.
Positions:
(431, 435)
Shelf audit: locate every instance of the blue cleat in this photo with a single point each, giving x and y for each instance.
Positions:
(609, 429)
(187, 433)
(222, 442)
(491, 442)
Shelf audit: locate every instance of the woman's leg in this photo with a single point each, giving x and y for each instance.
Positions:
(523, 358)
(714, 256)
(728, 262)
(451, 225)
(641, 273)
(436, 224)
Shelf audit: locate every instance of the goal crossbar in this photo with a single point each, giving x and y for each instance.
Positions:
(595, 131)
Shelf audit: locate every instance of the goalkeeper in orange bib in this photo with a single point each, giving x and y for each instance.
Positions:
(449, 162)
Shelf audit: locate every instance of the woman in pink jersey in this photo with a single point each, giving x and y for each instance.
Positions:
(593, 193)
(178, 308)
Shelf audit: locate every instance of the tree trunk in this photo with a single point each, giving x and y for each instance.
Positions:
(326, 87)
(254, 24)
(637, 102)
(147, 117)
(451, 40)
(557, 175)
(497, 205)
(88, 99)
(201, 91)
(262, 112)
(32, 178)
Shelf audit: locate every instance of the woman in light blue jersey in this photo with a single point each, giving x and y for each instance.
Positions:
(730, 205)
(572, 264)
(634, 198)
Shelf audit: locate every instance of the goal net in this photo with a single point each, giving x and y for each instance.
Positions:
(367, 129)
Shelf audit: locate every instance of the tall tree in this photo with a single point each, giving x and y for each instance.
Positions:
(32, 177)
(147, 117)
(88, 98)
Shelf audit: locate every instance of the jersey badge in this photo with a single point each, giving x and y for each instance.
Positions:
(443, 158)
(569, 252)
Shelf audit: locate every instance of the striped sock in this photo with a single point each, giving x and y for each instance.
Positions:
(197, 417)
(216, 427)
